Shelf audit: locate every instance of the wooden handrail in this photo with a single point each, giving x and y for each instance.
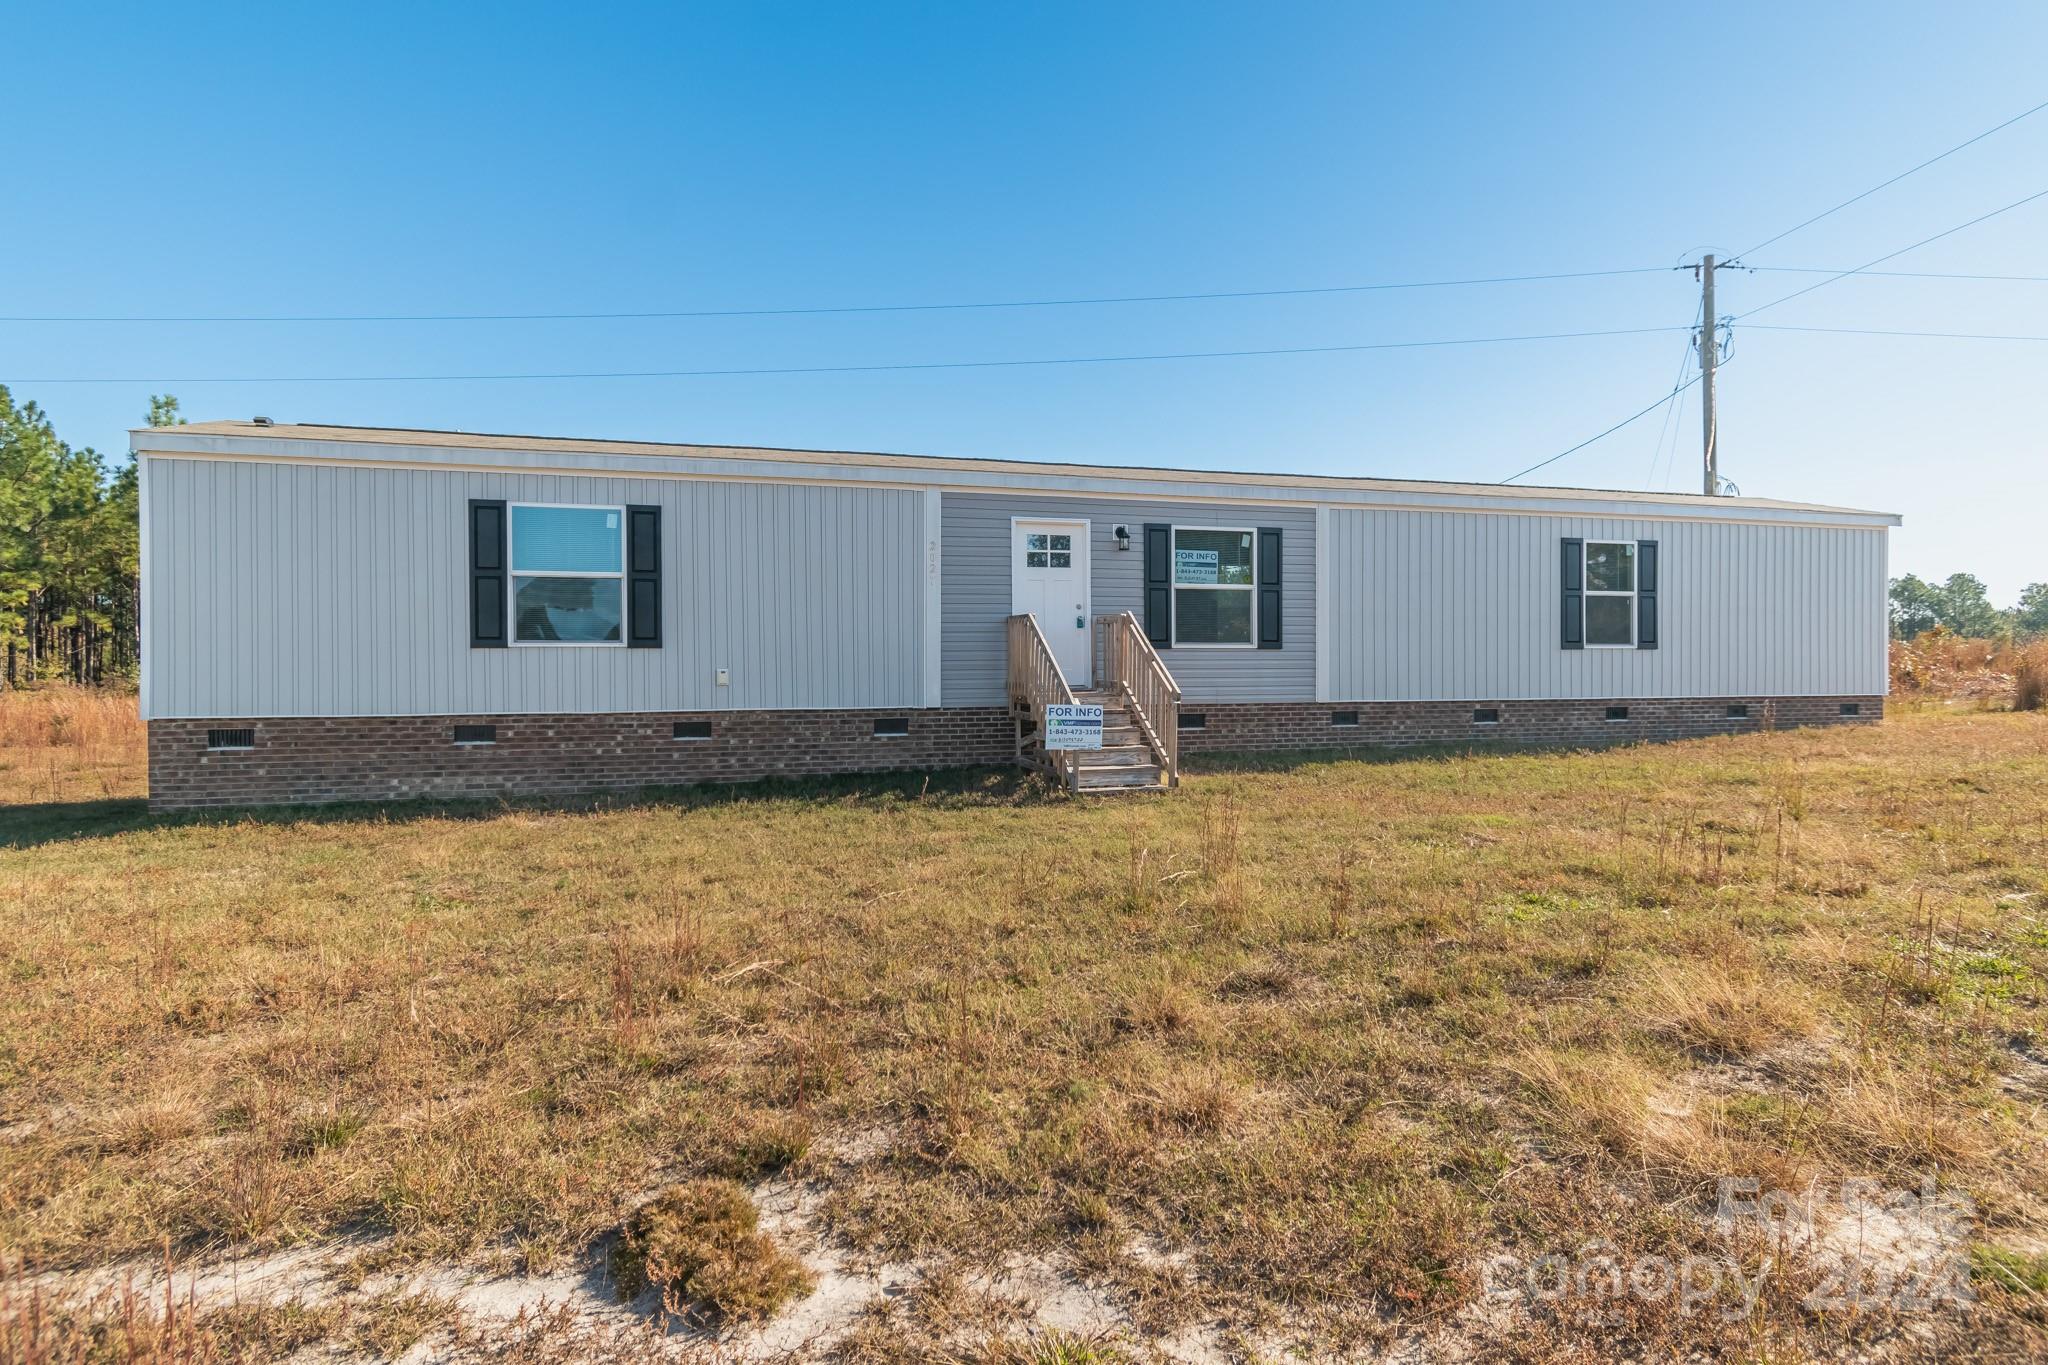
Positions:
(1036, 681)
(1126, 661)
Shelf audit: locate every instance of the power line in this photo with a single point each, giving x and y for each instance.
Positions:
(1894, 180)
(1677, 426)
(860, 369)
(1887, 274)
(1949, 232)
(1891, 332)
(1016, 364)
(1667, 427)
(1077, 302)
(821, 312)
(1611, 430)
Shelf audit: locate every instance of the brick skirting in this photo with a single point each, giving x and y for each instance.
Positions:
(1250, 727)
(295, 761)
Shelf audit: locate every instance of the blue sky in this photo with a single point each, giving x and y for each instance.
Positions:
(387, 159)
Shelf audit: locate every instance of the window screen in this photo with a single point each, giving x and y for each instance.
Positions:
(1213, 582)
(567, 569)
(1610, 567)
(1610, 592)
(568, 539)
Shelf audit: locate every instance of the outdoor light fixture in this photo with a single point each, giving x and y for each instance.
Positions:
(1123, 537)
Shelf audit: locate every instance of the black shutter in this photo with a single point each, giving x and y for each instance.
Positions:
(1574, 597)
(1269, 587)
(1159, 584)
(1646, 594)
(643, 577)
(486, 573)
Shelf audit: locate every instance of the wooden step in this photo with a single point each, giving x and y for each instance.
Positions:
(1124, 765)
(1136, 753)
(1137, 778)
(1120, 756)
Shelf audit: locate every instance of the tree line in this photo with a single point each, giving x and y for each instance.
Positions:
(1961, 605)
(70, 586)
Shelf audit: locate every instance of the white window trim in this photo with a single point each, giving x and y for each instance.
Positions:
(513, 575)
(1173, 577)
(1635, 577)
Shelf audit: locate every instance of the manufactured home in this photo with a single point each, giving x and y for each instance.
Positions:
(340, 613)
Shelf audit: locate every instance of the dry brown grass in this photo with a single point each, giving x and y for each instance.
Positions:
(1328, 1030)
(1960, 670)
(61, 743)
(2030, 676)
(1724, 1008)
(123, 1325)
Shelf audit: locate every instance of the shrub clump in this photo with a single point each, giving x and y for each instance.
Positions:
(701, 1244)
(2030, 677)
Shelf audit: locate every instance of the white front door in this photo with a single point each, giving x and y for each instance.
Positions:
(1049, 579)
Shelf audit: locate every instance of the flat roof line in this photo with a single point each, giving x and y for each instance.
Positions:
(402, 436)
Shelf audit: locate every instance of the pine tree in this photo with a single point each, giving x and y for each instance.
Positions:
(68, 549)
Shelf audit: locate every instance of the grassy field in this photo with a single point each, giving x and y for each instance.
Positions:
(1281, 1062)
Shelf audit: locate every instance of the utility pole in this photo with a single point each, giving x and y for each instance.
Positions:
(1709, 353)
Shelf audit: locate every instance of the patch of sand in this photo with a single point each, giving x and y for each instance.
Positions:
(575, 1311)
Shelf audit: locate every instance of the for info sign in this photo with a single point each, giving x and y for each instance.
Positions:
(1073, 727)
(1196, 566)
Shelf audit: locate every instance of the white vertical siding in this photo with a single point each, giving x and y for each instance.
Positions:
(1445, 606)
(309, 590)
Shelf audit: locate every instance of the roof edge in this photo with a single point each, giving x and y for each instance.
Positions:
(191, 439)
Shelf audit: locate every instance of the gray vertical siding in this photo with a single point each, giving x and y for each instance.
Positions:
(975, 528)
(1441, 606)
(316, 590)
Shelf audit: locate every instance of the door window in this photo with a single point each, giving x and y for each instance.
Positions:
(1048, 550)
